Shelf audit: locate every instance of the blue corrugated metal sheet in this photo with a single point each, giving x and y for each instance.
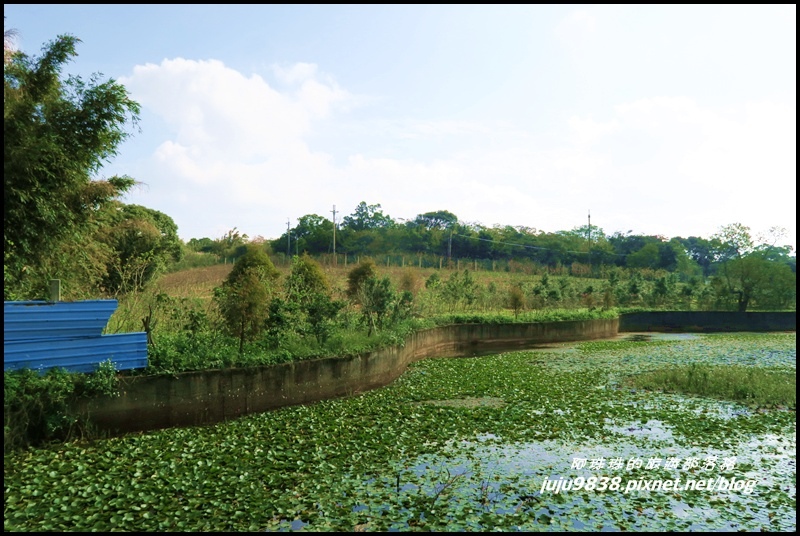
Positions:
(43, 335)
(55, 320)
(125, 350)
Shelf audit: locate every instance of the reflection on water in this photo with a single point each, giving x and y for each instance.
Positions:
(491, 482)
(488, 475)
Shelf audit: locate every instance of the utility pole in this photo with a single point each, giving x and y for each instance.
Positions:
(450, 248)
(589, 232)
(589, 238)
(288, 239)
(334, 235)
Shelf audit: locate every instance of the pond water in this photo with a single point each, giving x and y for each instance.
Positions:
(738, 496)
(647, 474)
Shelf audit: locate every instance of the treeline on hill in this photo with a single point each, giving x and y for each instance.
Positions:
(742, 273)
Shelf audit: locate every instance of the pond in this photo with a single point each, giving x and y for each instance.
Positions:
(642, 474)
(646, 479)
(552, 439)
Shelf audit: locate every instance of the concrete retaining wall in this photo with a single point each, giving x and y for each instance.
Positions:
(206, 397)
(707, 321)
(153, 402)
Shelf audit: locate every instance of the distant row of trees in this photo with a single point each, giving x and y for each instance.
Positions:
(257, 303)
(370, 232)
(743, 269)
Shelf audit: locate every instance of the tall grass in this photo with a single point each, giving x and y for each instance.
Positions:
(760, 387)
(194, 259)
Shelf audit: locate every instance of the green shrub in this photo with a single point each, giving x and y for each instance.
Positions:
(244, 297)
(39, 407)
(366, 269)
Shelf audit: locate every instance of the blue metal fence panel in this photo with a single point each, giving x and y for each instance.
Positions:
(42, 335)
(55, 320)
(125, 350)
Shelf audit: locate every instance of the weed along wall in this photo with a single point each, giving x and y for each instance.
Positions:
(196, 398)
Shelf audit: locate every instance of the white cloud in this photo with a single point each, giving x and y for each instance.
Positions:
(293, 74)
(237, 155)
(690, 168)
(225, 115)
(586, 131)
(234, 141)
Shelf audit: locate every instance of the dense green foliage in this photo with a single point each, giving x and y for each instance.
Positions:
(749, 272)
(304, 315)
(57, 134)
(309, 298)
(244, 298)
(37, 408)
(143, 241)
(366, 269)
(189, 350)
(452, 445)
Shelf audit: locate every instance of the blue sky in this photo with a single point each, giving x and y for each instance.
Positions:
(660, 120)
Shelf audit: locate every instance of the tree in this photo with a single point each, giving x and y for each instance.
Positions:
(201, 245)
(308, 293)
(142, 240)
(735, 241)
(306, 278)
(779, 290)
(647, 257)
(461, 290)
(367, 217)
(591, 233)
(748, 270)
(663, 289)
(232, 244)
(356, 277)
(9, 40)
(377, 298)
(255, 258)
(312, 234)
(244, 297)
(701, 251)
(516, 299)
(441, 219)
(57, 134)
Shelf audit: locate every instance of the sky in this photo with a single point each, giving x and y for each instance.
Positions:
(656, 120)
